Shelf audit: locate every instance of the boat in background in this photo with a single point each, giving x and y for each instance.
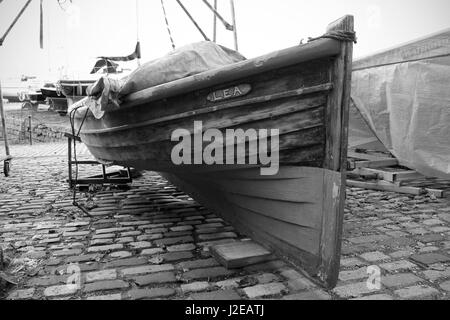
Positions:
(55, 98)
(75, 90)
(25, 90)
(304, 92)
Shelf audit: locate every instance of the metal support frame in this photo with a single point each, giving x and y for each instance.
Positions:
(101, 179)
(8, 158)
(233, 14)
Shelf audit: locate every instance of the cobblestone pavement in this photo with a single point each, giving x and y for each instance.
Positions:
(151, 242)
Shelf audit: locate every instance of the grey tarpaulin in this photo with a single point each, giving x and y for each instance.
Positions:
(404, 96)
(186, 61)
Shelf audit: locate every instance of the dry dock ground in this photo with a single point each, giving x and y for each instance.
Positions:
(151, 242)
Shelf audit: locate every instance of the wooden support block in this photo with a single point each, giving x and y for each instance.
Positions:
(364, 156)
(239, 254)
(387, 162)
(391, 176)
(392, 187)
(358, 174)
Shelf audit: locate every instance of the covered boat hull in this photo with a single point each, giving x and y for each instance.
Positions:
(403, 95)
(304, 93)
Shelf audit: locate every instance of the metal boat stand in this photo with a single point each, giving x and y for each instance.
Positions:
(6, 159)
(112, 178)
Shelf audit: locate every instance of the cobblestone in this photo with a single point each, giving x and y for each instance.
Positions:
(195, 286)
(147, 269)
(309, 295)
(137, 294)
(264, 290)
(216, 295)
(101, 275)
(213, 272)
(162, 277)
(402, 279)
(105, 285)
(62, 290)
(417, 292)
(353, 290)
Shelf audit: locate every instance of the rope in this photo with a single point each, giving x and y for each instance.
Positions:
(167, 25)
(349, 36)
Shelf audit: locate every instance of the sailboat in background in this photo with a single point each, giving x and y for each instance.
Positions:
(75, 89)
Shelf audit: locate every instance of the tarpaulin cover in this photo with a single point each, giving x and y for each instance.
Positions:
(186, 61)
(404, 96)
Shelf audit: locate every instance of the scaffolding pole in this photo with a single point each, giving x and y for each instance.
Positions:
(215, 22)
(233, 14)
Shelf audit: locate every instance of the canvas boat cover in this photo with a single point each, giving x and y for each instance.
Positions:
(403, 95)
(186, 61)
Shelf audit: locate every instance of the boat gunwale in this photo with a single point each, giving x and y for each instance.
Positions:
(318, 49)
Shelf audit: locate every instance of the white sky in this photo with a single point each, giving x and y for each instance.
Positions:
(73, 38)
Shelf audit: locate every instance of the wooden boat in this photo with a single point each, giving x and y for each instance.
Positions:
(304, 92)
(74, 90)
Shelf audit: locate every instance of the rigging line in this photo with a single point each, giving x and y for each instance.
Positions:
(217, 14)
(233, 15)
(2, 39)
(193, 20)
(167, 25)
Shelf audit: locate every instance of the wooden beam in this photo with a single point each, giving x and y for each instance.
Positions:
(364, 156)
(314, 50)
(381, 185)
(391, 176)
(229, 105)
(388, 162)
(337, 115)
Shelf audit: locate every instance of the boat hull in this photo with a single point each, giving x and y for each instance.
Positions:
(303, 93)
